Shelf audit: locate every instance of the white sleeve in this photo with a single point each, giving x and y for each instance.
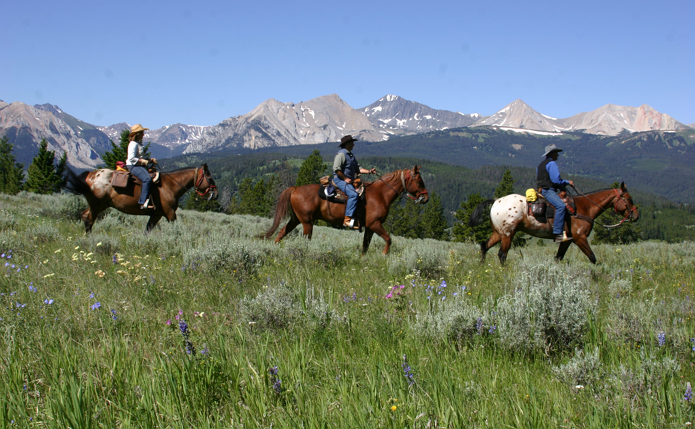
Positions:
(133, 153)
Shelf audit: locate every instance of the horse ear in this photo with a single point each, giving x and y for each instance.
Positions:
(205, 166)
(416, 169)
(622, 186)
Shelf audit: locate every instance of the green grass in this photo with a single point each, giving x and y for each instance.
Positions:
(318, 312)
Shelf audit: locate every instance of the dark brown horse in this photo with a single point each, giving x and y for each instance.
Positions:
(509, 215)
(96, 187)
(304, 206)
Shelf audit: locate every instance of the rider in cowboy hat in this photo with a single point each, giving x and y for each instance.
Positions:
(550, 182)
(136, 163)
(346, 170)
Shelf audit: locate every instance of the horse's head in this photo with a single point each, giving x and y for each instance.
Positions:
(204, 183)
(414, 185)
(623, 204)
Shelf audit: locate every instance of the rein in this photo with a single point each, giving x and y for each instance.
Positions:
(196, 183)
(618, 197)
(416, 198)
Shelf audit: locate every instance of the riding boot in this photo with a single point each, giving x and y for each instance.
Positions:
(350, 223)
(561, 238)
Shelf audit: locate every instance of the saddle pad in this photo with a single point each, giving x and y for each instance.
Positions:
(120, 179)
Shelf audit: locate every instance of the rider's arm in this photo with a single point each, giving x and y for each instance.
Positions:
(554, 173)
(133, 154)
(339, 165)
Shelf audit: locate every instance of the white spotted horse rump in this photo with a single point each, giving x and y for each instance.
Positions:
(507, 212)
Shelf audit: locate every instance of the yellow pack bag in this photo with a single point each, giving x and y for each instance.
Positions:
(531, 195)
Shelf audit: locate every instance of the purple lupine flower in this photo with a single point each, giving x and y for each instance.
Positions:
(492, 330)
(479, 325)
(96, 305)
(277, 383)
(408, 371)
(48, 301)
(113, 314)
(32, 288)
(662, 339)
(91, 295)
(688, 392)
(114, 259)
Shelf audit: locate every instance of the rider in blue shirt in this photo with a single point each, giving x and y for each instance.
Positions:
(550, 182)
(345, 171)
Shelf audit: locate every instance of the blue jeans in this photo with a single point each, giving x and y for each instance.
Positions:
(351, 193)
(142, 174)
(560, 210)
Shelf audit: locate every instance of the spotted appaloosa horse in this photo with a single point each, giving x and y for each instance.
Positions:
(509, 215)
(96, 187)
(304, 205)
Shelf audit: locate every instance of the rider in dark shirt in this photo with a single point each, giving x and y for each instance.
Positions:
(550, 182)
(345, 171)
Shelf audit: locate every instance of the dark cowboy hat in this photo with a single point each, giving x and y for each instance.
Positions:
(346, 139)
(551, 148)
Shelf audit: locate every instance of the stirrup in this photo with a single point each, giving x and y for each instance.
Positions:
(147, 206)
(563, 238)
(351, 224)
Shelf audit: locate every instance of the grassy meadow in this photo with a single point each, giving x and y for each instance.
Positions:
(201, 325)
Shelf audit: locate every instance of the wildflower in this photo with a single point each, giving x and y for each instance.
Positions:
(693, 341)
(114, 259)
(91, 295)
(492, 329)
(168, 322)
(48, 301)
(408, 371)
(96, 305)
(688, 392)
(394, 408)
(183, 326)
(662, 339)
(205, 351)
(113, 314)
(277, 383)
(479, 325)
(443, 284)
(32, 288)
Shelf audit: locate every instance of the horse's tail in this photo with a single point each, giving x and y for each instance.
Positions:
(77, 184)
(478, 215)
(281, 210)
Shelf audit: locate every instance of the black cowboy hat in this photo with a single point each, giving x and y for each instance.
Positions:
(346, 139)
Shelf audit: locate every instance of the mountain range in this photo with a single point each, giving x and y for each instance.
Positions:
(319, 120)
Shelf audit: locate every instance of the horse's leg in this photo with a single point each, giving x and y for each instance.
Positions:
(89, 216)
(291, 224)
(152, 222)
(504, 247)
(379, 229)
(308, 229)
(485, 246)
(583, 244)
(368, 233)
(561, 250)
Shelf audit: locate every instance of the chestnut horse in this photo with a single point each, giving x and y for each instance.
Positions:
(304, 206)
(510, 214)
(96, 187)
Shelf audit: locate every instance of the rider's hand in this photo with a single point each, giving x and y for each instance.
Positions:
(572, 183)
(372, 171)
(348, 180)
(154, 160)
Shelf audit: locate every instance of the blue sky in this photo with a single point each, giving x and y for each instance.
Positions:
(198, 63)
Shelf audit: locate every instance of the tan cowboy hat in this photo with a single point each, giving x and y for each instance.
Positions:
(346, 139)
(551, 148)
(137, 128)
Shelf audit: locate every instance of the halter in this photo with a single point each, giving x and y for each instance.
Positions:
(199, 182)
(417, 198)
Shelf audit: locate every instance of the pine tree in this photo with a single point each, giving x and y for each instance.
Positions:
(11, 172)
(404, 219)
(120, 152)
(433, 221)
(506, 185)
(312, 169)
(462, 232)
(42, 177)
(201, 203)
(254, 199)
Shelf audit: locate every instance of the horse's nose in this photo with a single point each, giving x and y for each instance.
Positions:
(635, 216)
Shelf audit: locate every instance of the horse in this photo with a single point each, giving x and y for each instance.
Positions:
(96, 188)
(304, 206)
(509, 215)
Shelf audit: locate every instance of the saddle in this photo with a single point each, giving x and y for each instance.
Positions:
(120, 179)
(545, 213)
(331, 193)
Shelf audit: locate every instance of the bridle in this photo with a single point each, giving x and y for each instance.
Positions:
(417, 198)
(619, 196)
(199, 181)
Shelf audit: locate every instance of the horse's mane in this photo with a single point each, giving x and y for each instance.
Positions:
(593, 192)
(386, 177)
(180, 169)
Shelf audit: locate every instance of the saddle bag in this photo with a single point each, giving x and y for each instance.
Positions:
(120, 179)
